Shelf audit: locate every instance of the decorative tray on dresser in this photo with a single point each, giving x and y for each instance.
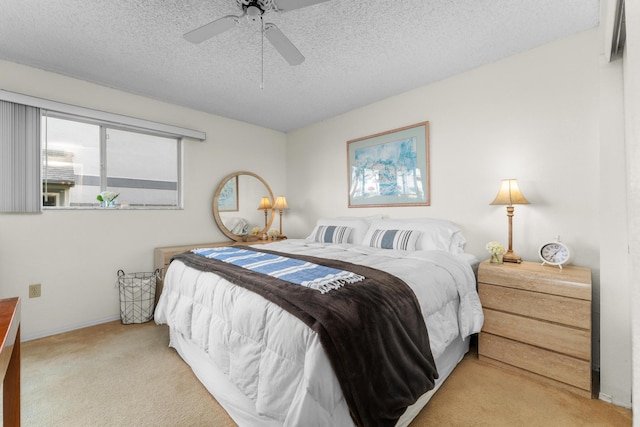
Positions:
(538, 322)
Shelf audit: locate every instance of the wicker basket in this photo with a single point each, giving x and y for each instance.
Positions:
(137, 296)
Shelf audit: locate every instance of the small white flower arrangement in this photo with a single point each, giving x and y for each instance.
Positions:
(255, 231)
(107, 198)
(495, 249)
(273, 233)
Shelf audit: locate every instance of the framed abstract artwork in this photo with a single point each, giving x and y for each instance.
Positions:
(390, 168)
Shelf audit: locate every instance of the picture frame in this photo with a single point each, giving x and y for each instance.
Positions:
(390, 168)
(228, 198)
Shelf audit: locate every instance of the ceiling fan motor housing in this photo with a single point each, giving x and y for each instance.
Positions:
(254, 13)
(254, 9)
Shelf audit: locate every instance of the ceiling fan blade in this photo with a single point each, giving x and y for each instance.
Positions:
(211, 29)
(285, 5)
(283, 45)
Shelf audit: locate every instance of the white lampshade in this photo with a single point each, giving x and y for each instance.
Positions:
(509, 194)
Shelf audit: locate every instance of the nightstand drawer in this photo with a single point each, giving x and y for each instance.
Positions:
(563, 339)
(565, 369)
(572, 281)
(553, 308)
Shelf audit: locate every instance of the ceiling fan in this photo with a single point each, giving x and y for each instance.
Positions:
(253, 10)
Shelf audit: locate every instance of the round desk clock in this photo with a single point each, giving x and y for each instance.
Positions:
(554, 253)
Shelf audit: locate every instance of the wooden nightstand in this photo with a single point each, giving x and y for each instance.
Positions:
(538, 322)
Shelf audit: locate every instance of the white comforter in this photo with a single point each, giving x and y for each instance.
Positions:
(276, 360)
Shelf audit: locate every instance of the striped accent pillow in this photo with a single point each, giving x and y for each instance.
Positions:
(395, 239)
(332, 234)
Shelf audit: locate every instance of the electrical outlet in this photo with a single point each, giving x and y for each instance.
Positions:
(34, 290)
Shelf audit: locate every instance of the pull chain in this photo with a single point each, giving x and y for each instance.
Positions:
(262, 54)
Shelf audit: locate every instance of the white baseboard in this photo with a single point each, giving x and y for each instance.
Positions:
(605, 397)
(69, 328)
(610, 399)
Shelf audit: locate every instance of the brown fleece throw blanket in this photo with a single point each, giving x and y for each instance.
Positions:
(372, 331)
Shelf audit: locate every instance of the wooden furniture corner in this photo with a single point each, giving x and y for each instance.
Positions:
(10, 360)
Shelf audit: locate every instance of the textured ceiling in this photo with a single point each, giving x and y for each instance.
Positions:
(357, 52)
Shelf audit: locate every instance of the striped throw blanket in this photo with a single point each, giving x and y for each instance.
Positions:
(299, 272)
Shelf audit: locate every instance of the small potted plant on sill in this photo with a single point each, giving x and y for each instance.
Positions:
(108, 198)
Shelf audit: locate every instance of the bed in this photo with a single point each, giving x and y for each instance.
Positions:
(267, 367)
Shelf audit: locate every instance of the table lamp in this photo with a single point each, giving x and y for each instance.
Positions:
(265, 205)
(509, 194)
(280, 205)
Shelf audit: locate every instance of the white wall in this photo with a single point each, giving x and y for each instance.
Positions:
(632, 110)
(76, 254)
(615, 310)
(615, 325)
(535, 117)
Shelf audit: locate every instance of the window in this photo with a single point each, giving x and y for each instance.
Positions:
(83, 157)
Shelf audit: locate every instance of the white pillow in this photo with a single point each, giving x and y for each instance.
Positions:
(394, 239)
(437, 234)
(360, 225)
(332, 234)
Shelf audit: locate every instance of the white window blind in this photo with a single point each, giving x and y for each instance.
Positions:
(19, 158)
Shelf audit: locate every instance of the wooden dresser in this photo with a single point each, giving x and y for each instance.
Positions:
(538, 322)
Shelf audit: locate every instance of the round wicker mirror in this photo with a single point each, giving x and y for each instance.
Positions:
(237, 205)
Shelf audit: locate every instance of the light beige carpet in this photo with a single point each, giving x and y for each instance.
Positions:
(125, 375)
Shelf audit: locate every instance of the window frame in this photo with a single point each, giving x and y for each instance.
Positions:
(104, 125)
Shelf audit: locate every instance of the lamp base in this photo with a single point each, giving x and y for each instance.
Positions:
(511, 256)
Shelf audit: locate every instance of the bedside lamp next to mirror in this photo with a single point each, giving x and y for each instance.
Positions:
(280, 205)
(265, 205)
(509, 194)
